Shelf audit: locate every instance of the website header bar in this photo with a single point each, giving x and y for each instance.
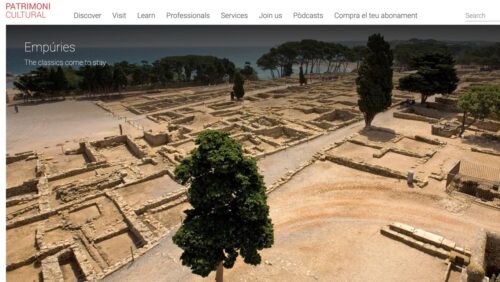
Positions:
(259, 12)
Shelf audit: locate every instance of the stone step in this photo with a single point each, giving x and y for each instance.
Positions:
(427, 242)
(419, 245)
(428, 237)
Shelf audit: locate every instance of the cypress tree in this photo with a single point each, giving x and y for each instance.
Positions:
(302, 78)
(374, 81)
(238, 89)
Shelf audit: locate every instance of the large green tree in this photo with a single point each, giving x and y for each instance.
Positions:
(479, 103)
(230, 215)
(436, 74)
(374, 81)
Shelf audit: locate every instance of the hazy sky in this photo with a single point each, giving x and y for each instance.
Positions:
(231, 36)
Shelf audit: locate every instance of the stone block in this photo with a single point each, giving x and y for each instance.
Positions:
(403, 228)
(448, 244)
(428, 237)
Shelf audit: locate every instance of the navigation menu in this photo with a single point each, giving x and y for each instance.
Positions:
(92, 16)
(225, 15)
(119, 16)
(189, 15)
(146, 16)
(255, 13)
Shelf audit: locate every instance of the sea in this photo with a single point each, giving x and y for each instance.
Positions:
(16, 57)
(238, 55)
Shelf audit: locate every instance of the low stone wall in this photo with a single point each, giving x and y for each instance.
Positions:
(84, 263)
(112, 141)
(134, 148)
(412, 116)
(20, 221)
(75, 190)
(156, 139)
(182, 120)
(41, 168)
(28, 186)
(111, 232)
(169, 197)
(136, 227)
(282, 148)
(51, 271)
(445, 129)
(21, 156)
(485, 151)
(180, 142)
(51, 265)
(20, 200)
(89, 151)
(44, 214)
(487, 124)
(288, 176)
(374, 169)
(223, 113)
(373, 145)
(40, 255)
(32, 207)
(428, 140)
(109, 141)
(44, 192)
(480, 188)
(75, 171)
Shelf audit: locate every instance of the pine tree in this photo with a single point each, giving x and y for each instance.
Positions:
(435, 74)
(374, 82)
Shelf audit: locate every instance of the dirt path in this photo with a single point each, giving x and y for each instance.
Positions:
(276, 165)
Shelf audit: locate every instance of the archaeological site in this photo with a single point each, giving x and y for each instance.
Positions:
(92, 194)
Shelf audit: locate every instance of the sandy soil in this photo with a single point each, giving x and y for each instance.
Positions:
(21, 273)
(21, 249)
(327, 221)
(118, 247)
(53, 123)
(20, 171)
(140, 193)
(173, 216)
(80, 216)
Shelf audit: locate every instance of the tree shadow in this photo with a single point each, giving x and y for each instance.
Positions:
(378, 134)
(100, 97)
(38, 102)
(482, 141)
